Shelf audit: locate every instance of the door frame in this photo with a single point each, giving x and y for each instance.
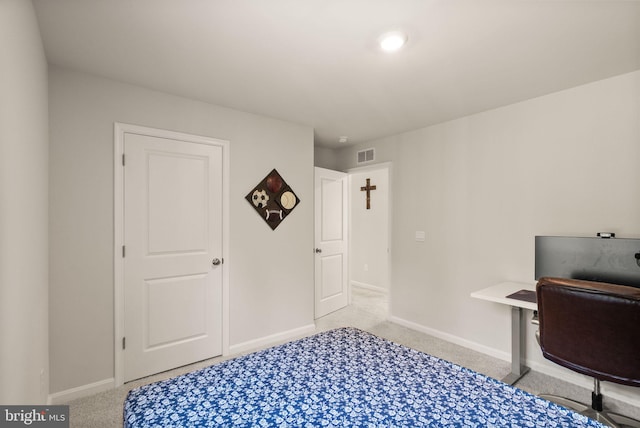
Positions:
(120, 129)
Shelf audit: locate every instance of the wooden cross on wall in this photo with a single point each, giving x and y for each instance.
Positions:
(368, 188)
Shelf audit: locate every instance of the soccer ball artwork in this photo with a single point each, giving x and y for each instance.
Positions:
(273, 199)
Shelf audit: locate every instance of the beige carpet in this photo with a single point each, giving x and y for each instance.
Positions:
(368, 312)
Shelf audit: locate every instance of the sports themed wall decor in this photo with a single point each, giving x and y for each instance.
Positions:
(273, 199)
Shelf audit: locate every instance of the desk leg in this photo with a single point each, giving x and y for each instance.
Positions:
(518, 369)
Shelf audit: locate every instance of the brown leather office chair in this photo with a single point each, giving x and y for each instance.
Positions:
(592, 328)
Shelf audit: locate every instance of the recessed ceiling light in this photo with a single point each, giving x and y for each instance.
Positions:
(392, 41)
(343, 139)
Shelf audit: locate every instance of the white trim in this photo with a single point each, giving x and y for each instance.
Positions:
(627, 395)
(273, 339)
(373, 166)
(608, 389)
(68, 395)
(505, 356)
(369, 287)
(118, 237)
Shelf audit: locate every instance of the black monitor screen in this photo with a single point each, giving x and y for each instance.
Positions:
(612, 260)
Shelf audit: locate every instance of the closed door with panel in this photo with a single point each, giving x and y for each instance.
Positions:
(173, 253)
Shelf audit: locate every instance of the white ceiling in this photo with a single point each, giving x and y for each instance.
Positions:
(315, 62)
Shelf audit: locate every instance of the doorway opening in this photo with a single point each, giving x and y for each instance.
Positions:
(360, 200)
(369, 239)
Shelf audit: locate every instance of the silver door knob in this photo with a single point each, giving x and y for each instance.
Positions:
(318, 250)
(215, 262)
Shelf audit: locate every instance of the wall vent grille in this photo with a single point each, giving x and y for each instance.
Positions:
(367, 155)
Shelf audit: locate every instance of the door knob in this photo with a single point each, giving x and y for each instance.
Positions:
(216, 261)
(318, 250)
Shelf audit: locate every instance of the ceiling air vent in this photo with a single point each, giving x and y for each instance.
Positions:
(366, 155)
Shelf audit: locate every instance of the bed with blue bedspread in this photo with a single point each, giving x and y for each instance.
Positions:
(340, 378)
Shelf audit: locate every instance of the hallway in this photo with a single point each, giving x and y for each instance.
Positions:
(368, 309)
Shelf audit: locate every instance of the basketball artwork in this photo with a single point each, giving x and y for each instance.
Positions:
(273, 199)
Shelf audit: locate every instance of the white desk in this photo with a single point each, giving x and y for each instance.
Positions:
(498, 293)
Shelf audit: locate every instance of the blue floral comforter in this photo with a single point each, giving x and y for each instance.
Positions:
(340, 378)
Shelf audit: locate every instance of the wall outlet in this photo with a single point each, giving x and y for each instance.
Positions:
(420, 235)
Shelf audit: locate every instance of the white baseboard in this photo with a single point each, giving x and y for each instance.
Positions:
(64, 397)
(627, 395)
(505, 356)
(273, 339)
(369, 287)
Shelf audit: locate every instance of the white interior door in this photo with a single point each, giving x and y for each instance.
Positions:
(172, 255)
(331, 240)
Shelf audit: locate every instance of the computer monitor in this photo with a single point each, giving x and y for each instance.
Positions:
(612, 260)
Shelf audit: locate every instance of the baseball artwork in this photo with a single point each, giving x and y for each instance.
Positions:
(273, 199)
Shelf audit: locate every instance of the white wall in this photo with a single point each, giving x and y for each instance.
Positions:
(271, 272)
(369, 238)
(324, 157)
(483, 186)
(24, 364)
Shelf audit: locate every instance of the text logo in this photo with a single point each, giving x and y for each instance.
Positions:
(34, 416)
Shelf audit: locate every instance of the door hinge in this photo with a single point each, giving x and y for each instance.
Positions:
(123, 251)
(124, 343)
(123, 159)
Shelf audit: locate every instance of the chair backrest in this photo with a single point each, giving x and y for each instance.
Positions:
(592, 328)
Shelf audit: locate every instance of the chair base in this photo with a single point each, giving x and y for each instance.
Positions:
(613, 420)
